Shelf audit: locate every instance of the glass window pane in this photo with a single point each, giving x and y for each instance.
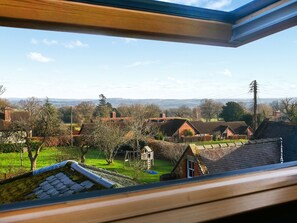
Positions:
(223, 5)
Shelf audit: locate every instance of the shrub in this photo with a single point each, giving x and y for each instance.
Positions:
(54, 141)
(9, 147)
(188, 132)
(159, 136)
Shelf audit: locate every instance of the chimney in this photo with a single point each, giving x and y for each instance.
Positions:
(7, 114)
(163, 115)
(277, 114)
(114, 114)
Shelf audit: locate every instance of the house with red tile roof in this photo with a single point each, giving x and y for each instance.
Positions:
(7, 129)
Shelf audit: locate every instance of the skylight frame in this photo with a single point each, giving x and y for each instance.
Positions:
(185, 10)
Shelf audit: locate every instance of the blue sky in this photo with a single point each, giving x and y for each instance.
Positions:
(70, 65)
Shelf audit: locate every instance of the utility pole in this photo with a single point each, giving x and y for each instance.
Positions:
(71, 128)
(254, 89)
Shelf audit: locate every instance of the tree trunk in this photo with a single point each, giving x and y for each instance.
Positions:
(82, 158)
(21, 157)
(33, 163)
(109, 159)
(83, 152)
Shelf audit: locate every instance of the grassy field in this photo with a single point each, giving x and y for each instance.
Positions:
(10, 163)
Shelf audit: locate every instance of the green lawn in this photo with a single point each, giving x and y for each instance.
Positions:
(10, 163)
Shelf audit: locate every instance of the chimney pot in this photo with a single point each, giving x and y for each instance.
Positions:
(7, 114)
(114, 114)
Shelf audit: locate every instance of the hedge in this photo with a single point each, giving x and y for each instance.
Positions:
(9, 148)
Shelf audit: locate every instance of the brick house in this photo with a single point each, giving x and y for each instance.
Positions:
(212, 159)
(175, 129)
(7, 129)
(222, 129)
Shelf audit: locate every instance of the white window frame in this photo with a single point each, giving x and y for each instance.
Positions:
(190, 169)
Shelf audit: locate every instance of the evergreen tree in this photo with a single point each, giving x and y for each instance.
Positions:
(232, 111)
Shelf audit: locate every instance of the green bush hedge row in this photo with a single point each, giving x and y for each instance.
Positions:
(9, 148)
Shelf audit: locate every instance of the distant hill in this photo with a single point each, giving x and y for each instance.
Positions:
(162, 103)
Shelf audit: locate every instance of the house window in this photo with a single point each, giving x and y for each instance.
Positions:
(190, 169)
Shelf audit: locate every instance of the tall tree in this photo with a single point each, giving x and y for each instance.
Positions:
(289, 109)
(104, 108)
(43, 120)
(83, 112)
(210, 109)
(276, 105)
(2, 89)
(108, 137)
(147, 111)
(196, 113)
(3, 102)
(182, 111)
(232, 111)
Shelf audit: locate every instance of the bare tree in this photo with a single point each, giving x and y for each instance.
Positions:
(182, 111)
(210, 109)
(84, 142)
(289, 108)
(196, 113)
(3, 102)
(2, 89)
(42, 119)
(147, 111)
(108, 137)
(83, 112)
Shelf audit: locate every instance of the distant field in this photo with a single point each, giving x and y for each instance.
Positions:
(10, 163)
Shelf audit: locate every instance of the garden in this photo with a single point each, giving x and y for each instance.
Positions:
(11, 163)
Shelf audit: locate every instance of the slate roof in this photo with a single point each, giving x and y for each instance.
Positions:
(171, 126)
(209, 127)
(221, 158)
(62, 179)
(237, 127)
(287, 131)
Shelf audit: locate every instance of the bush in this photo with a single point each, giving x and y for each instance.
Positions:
(188, 132)
(54, 141)
(159, 136)
(9, 147)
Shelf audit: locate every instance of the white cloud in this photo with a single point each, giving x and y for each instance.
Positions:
(74, 44)
(39, 57)
(226, 73)
(49, 42)
(70, 45)
(130, 40)
(141, 63)
(44, 41)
